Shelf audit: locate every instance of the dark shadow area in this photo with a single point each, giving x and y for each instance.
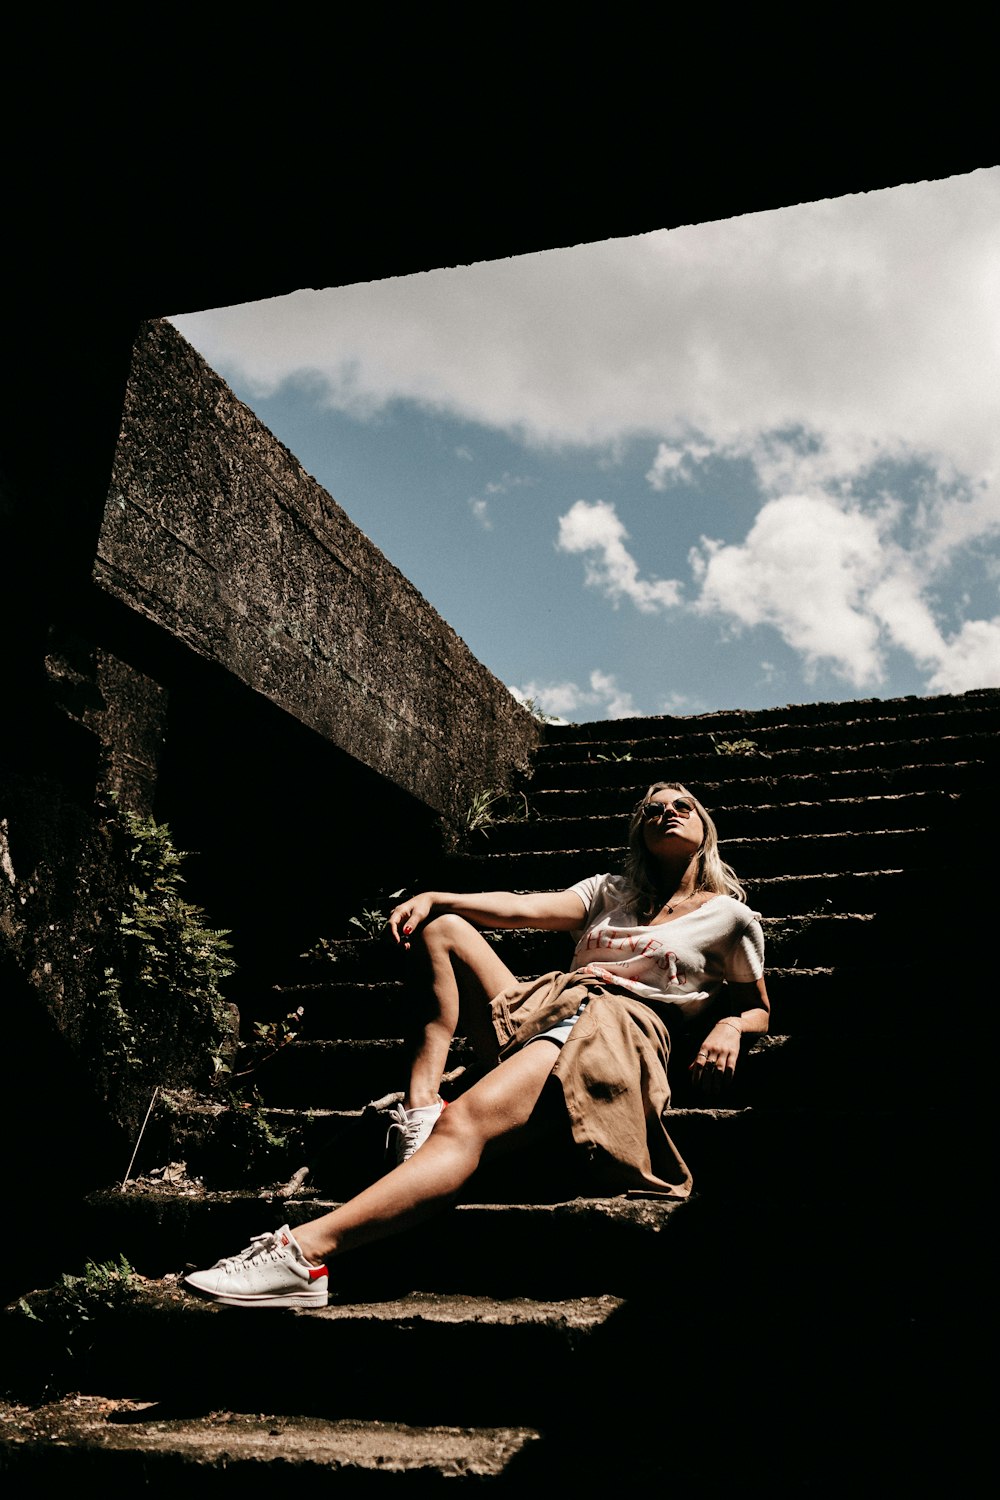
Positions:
(58, 1142)
(288, 837)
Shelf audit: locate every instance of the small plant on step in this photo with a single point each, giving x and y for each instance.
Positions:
(322, 951)
(479, 815)
(248, 1146)
(371, 920)
(72, 1312)
(734, 747)
(518, 809)
(266, 1040)
(271, 1036)
(610, 755)
(532, 705)
(252, 1111)
(488, 808)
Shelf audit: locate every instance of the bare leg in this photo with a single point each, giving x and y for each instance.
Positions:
(465, 975)
(494, 1109)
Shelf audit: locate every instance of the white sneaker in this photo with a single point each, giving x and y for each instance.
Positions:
(270, 1272)
(408, 1129)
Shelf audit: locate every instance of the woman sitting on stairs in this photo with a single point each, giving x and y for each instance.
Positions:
(654, 947)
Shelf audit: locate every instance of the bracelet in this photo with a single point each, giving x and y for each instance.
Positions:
(737, 1029)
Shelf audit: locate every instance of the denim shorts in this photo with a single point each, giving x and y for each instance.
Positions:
(560, 1032)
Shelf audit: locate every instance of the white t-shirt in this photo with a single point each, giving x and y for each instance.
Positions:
(681, 963)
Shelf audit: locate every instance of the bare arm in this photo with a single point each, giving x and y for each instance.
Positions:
(751, 1008)
(719, 1052)
(553, 911)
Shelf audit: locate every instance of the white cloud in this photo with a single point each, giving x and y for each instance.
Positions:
(817, 342)
(593, 528)
(479, 505)
(679, 703)
(604, 699)
(554, 699)
(871, 318)
(839, 590)
(970, 660)
(958, 516)
(508, 482)
(674, 463)
(803, 568)
(618, 704)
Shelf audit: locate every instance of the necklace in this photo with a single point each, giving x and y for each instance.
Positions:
(668, 908)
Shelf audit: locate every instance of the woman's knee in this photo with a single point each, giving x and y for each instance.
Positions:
(462, 1125)
(446, 933)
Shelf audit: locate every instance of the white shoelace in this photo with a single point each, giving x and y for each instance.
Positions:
(409, 1130)
(260, 1247)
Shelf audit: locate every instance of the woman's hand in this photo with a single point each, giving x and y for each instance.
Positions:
(405, 918)
(715, 1064)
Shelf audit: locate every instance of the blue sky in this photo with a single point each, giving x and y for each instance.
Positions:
(729, 465)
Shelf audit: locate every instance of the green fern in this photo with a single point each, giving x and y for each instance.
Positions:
(173, 965)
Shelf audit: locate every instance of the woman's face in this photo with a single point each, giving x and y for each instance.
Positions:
(678, 830)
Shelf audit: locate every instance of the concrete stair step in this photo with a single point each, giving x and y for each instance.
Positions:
(344, 1149)
(883, 892)
(346, 1009)
(802, 935)
(647, 763)
(569, 1246)
(753, 852)
(354, 1011)
(344, 1141)
(773, 1161)
(727, 796)
(341, 1361)
(737, 723)
(706, 735)
(827, 855)
(343, 1074)
(832, 816)
(379, 961)
(774, 1070)
(98, 1440)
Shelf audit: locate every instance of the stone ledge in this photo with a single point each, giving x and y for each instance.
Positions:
(85, 1429)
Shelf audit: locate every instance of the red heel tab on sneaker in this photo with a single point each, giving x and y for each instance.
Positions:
(315, 1274)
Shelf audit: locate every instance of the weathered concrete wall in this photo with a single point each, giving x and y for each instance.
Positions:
(214, 531)
(66, 874)
(125, 712)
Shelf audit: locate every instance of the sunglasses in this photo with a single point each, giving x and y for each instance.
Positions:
(653, 812)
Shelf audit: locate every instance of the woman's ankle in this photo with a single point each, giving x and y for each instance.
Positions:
(420, 1098)
(310, 1245)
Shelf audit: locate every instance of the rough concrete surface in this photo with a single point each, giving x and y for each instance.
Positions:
(215, 532)
(230, 1438)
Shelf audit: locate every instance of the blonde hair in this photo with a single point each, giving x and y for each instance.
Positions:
(642, 873)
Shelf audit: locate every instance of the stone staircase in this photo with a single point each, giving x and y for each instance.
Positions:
(783, 1329)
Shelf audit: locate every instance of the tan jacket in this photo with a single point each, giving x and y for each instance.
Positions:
(613, 1074)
